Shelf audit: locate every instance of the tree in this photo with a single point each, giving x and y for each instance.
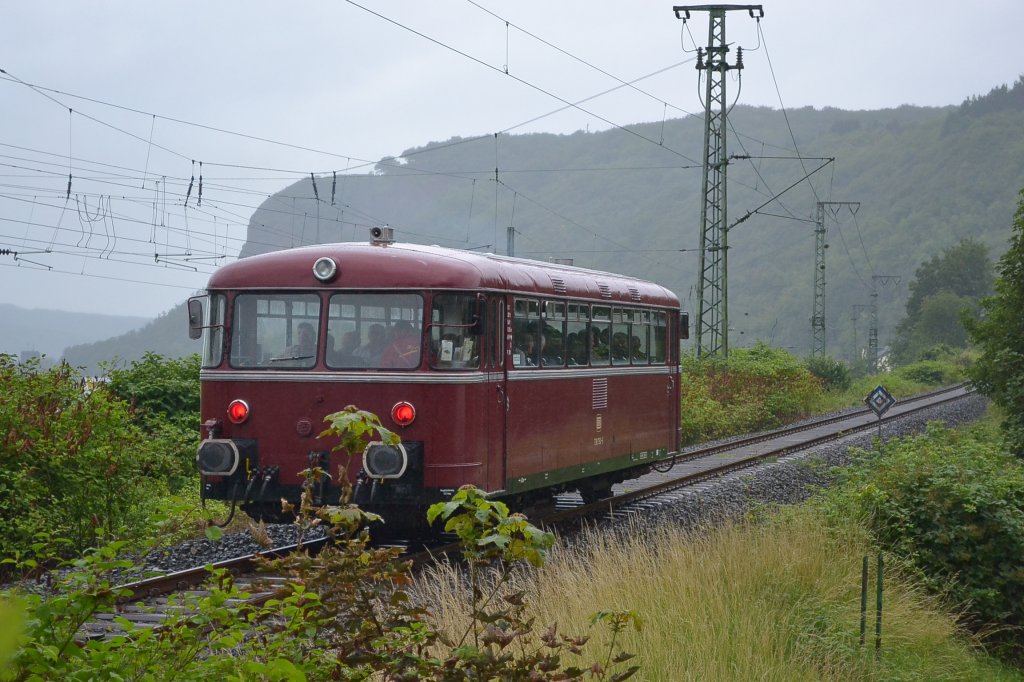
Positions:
(938, 321)
(943, 286)
(999, 333)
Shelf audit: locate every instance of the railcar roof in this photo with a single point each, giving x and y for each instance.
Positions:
(413, 266)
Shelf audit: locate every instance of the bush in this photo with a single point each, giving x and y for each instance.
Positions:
(756, 388)
(160, 389)
(77, 461)
(952, 503)
(71, 460)
(931, 373)
(164, 395)
(834, 374)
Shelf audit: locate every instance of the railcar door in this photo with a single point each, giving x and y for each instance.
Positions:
(498, 330)
(673, 390)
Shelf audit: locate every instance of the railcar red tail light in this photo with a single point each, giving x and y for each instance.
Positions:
(403, 413)
(238, 411)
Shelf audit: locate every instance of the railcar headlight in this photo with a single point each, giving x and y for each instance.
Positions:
(385, 461)
(217, 457)
(325, 268)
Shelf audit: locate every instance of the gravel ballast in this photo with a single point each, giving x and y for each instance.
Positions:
(794, 478)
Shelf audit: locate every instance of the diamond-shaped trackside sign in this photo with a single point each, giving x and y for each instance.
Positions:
(880, 400)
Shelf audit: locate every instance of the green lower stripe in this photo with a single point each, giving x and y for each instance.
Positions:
(572, 473)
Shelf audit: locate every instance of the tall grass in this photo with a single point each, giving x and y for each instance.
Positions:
(770, 601)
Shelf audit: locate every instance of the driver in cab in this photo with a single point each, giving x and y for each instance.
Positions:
(404, 351)
(304, 346)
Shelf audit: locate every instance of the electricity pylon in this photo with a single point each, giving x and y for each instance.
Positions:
(876, 280)
(818, 315)
(854, 317)
(712, 284)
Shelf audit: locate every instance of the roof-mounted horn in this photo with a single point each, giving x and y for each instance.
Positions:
(382, 235)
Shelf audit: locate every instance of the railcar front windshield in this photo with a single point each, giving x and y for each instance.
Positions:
(374, 331)
(275, 330)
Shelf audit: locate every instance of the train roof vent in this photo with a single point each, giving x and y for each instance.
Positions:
(559, 284)
(606, 291)
(600, 394)
(634, 294)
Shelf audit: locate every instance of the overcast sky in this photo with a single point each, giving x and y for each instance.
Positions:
(265, 93)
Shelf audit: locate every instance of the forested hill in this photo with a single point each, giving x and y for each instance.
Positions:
(167, 335)
(50, 332)
(926, 178)
(629, 201)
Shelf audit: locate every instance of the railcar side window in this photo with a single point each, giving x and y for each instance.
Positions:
(213, 331)
(374, 331)
(526, 333)
(569, 334)
(621, 319)
(577, 346)
(552, 338)
(600, 336)
(658, 322)
(451, 344)
(275, 330)
(639, 352)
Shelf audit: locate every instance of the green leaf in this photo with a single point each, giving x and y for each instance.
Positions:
(213, 533)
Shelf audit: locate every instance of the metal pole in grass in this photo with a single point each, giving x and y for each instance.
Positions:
(878, 610)
(863, 599)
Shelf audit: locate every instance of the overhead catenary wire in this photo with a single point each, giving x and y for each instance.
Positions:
(630, 84)
(105, 253)
(242, 218)
(282, 170)
(782, 107)
(624, 83)
(504, 171)
(516, 78)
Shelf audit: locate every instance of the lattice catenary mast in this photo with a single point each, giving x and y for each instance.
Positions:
(876, 280)
(818, 316)
(856, 310)
(712, 284)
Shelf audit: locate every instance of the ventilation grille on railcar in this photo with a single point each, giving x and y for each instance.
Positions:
(634, 294)
(606, 291)
(559, 284)
(600, 394)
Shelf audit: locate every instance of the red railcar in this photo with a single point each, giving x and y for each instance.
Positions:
(520, 377)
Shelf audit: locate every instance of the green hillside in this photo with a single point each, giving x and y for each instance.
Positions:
(167, 335)
(49, 332)
(618, 200)
(925, 177)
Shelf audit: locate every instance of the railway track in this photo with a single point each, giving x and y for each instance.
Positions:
(149, 597)
(703, 463)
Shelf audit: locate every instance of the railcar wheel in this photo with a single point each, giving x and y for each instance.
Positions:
(268, 512)
(592, 491)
